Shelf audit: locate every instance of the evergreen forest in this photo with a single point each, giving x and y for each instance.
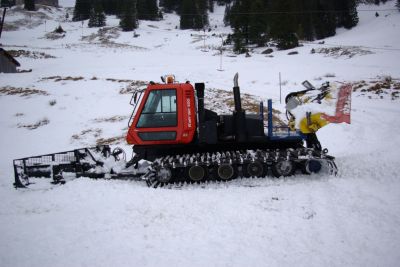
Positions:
(253, 22)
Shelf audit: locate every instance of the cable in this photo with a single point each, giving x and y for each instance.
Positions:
(257, 13)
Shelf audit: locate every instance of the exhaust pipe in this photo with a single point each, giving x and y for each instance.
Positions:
(236, 93)
(239, 114)
(200, 101)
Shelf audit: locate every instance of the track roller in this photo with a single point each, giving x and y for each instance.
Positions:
(225, 172)
(164, 174)
(196, 173)
(283, 168)
(312, 166)
(225, 166)
(254, 169)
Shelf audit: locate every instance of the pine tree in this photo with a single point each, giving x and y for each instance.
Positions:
(398, 4)
(224, 2)
(306, 28)
(188, 15)
(201, 18)
(340, 8)
(325, 20)
(211, 6)
(59, 30)
(240, 20)
(120, 7)
(109, 6)
(258, 24)
(97, 17)
(82, 10)
(351, 16)
(154, 10)
(227, 14)
(147, 9)
(239, 46)
(171, 5)
(101, 19)
(92, 18)
(128, 20)
(29, 5)
(346, 13)
(287, 21)
(7, 3)
(283, 24)
(378, 2)
(142, 9)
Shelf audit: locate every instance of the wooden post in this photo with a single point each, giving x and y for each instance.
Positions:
(221, 49)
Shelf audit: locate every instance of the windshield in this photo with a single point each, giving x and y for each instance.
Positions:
(159, 110)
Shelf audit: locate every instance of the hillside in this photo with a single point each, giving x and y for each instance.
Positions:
(77, 94)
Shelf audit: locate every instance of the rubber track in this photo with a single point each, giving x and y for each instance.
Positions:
(179, 165)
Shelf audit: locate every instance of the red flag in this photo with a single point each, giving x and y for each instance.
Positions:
(343, 106)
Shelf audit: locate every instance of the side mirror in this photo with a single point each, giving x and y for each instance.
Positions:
(292, 103)
(308, 85)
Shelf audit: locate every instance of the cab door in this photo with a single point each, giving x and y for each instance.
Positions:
(160, 117)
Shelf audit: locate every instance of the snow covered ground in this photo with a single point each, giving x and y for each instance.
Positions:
(74, 96)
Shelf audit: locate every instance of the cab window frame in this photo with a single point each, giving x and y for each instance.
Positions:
(160, 109)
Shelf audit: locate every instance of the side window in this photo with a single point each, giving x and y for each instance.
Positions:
(159, 110)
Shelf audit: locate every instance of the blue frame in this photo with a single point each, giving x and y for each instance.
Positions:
(291, 135)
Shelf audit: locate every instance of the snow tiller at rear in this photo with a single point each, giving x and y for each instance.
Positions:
(95, 162)
(176, 140)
